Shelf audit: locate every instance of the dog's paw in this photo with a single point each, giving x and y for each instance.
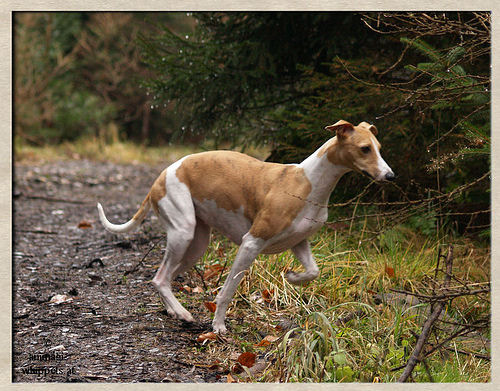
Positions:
(186, 317)
(293, 278)
(297, 278)
(219, 328)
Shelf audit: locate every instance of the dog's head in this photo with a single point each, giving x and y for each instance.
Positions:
(358, 149)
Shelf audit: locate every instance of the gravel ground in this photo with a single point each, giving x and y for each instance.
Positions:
(111, 326)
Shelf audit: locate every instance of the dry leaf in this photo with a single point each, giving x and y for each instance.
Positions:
(247, 359)
(390, 271)
(263, 343)
(268, 339)
(237, 368)
(59, 299)
(230, 379)
(84, 224)
(211, 336)
(266, 295)
(212, 271)
(198, 289)
(187, 288)
(211, 306)
(258, 368)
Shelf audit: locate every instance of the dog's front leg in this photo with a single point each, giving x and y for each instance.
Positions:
(303, 253)
(248, 251)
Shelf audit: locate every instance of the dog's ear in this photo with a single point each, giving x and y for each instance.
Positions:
(342, 128)
(371, 128)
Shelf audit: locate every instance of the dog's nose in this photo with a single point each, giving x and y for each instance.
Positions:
(390, 176)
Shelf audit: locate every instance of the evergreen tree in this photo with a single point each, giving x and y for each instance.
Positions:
(239, 72)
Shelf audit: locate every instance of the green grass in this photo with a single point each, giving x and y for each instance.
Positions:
(363, 350)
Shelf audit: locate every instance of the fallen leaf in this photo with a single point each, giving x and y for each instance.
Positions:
(211, 306)
(262, 343)
(198, 289)
(268, 339)
(211, 336)
(247, 359)
(212, 271)
(84, 224)
(258, 368)
(230, 379)
(187, 288)
(237, 368)
(266, 295)
(59, 299)
(390, 271)
(220, 252)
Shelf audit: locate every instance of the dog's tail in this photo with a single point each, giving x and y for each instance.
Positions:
(130, 225)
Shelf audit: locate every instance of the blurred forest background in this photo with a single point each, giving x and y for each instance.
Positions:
(274, 80)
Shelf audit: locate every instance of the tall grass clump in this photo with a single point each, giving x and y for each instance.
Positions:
(315, 354)
(350, 324)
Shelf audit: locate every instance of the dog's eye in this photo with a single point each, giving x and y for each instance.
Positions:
(365, 149)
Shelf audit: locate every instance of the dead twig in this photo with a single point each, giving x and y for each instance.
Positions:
(37, 231)
(445, 296)
(136, 267)
(202, 279)
(426, 329)
(52, 199)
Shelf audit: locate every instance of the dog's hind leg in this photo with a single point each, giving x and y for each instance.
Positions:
(196, 248)
(303, 253)
(177, 244)
(177, 213)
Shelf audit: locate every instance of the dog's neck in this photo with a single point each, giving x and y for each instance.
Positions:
(322, 173)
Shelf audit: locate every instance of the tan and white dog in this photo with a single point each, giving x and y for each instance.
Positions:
(263, 207)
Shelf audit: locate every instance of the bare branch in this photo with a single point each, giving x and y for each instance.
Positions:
(426, 329)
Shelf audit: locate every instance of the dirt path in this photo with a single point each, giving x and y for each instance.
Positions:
(113, 328)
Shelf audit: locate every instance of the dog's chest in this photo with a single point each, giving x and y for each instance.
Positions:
(232, 224)
(305, 224)
(235, 225)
